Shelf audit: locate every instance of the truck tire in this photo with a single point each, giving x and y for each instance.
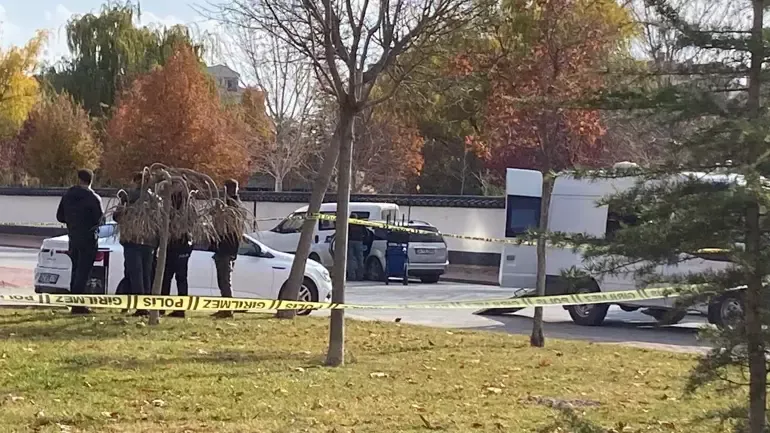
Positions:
(588, 315)
(727, 309)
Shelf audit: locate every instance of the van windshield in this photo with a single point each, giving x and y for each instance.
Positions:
(522, 214)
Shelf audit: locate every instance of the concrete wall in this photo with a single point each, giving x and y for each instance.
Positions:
(473, 221)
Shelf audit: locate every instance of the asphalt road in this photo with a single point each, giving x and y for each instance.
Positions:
(632, 329)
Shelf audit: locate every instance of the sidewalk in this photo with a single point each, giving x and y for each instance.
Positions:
(21, 241)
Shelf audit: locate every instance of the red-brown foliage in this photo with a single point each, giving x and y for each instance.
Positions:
(387, 153)
(532, 117)
(173, 115)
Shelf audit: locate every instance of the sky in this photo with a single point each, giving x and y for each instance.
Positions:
(19, 19)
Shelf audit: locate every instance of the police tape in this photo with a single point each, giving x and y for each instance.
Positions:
(401, 228)
(206, 303)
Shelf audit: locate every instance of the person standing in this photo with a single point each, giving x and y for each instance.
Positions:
(139, 254)
(226, 251)
(178, 255)
(356, 239)
(81, 210)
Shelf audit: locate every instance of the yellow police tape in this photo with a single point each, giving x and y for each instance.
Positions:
(396, 227)
(206, 303)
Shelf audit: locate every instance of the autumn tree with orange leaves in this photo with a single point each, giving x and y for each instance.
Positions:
(388, 152)
(547, 56)
(173, 115)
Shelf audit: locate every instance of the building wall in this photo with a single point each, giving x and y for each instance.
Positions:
(486, 219)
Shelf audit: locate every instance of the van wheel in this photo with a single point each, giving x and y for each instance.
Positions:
(430, 279)
(374, 270)
(726, 311)
(590, 314)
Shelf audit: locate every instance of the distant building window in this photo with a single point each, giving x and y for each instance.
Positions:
(232, 85)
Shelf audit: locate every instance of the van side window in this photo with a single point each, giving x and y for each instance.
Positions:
(327, 224)
(389, 215)
(522, 214)
(616, 221)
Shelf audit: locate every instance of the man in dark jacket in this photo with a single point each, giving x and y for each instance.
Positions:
(139, 255)
(81, 210)
(356, 239)
(226, 251)
(177, 256)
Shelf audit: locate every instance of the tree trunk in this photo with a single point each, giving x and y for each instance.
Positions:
(336, 354)
(278, 186)
(754, 299)
(160, 265)
(537, 339)
(321, 184)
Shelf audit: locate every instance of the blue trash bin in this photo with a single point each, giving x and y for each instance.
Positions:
(397, 262)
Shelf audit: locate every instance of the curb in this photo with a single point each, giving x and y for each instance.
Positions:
(468, 281)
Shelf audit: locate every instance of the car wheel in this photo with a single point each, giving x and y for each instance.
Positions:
(430, 279)
(589, 314)
(314, 257)
(307, 293)
(727, 310)
(374, 270)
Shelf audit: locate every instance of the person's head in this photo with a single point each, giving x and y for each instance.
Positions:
(231, 187)
(137, 179)
(85, 177)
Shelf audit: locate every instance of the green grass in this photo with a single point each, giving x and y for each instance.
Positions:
(108, 373)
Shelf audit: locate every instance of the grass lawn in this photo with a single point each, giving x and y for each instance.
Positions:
(109, 373)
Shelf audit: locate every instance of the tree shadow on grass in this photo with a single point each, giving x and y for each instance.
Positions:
(62, 327)
(82, 363)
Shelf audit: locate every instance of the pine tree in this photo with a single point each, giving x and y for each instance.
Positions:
(713, 205)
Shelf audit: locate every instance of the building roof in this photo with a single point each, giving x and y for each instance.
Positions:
(222, 71)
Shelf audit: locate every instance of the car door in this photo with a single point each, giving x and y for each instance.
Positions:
(253, 275)
(201, 273)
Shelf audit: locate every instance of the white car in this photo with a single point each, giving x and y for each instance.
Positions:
(259, 272)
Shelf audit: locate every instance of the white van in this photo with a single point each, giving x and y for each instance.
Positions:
(574, 209)
(285, 236)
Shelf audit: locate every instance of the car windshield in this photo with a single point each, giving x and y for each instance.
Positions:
(106, 230)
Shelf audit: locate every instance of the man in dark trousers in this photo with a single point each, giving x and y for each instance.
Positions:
(226, 251)
(138, 254)
(356, 239)
(81, 210)
(177, 256)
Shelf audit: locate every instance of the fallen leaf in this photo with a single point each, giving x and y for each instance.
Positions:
(202, 352)
(282, 391)
(477, 425)
(299, 369)
(28, 349)
(378, 375)
(158, 403)
(494, 390)
(450, 333)
(15, 398)
(40, 414)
